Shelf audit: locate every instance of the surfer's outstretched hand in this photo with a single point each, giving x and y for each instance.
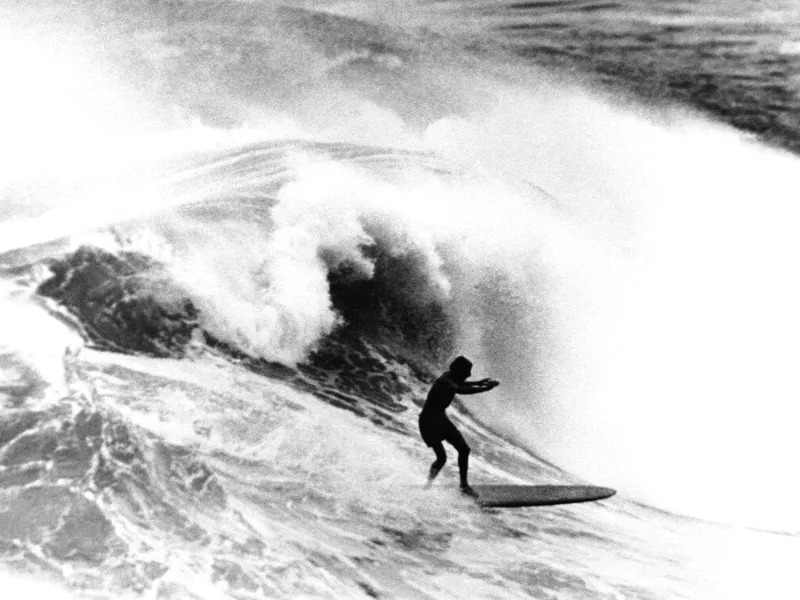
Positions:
(489, 383)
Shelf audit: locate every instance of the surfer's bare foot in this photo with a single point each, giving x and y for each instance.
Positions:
(468, 491)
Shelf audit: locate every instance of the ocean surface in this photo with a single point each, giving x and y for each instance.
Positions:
(239, 240)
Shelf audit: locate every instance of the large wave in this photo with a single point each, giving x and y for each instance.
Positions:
(626, 271)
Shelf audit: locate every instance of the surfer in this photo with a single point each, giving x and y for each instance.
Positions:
(435, 427)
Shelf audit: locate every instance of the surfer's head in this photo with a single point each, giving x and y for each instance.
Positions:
(460, 368)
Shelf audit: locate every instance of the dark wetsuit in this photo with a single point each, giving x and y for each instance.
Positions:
(434, 426)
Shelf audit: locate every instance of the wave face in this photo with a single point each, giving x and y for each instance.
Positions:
(240, 240)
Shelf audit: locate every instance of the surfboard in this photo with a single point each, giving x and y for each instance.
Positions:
(538, 495)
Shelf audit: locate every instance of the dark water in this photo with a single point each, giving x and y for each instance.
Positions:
(737, 61)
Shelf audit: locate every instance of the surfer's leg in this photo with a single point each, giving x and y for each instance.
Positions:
(459, 443)
(463, 466)
(441, 458)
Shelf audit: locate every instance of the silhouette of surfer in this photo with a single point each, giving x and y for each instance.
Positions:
(435, 427)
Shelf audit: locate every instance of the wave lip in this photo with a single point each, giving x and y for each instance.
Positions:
(127, 302)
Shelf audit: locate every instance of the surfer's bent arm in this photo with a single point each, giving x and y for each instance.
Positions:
(474, 387)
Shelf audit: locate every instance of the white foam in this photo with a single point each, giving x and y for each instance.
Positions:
(659, 332)
(21, 586)
(34, 347)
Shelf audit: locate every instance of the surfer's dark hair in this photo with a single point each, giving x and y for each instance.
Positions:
(460, 365)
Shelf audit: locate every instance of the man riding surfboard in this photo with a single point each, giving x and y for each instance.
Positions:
(435, 427)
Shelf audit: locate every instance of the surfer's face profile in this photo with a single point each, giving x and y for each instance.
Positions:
(460, 369)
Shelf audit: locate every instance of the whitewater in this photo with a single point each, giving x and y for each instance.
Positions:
(239, 240)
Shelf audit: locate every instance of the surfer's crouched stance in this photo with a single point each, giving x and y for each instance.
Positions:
(434, 425)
